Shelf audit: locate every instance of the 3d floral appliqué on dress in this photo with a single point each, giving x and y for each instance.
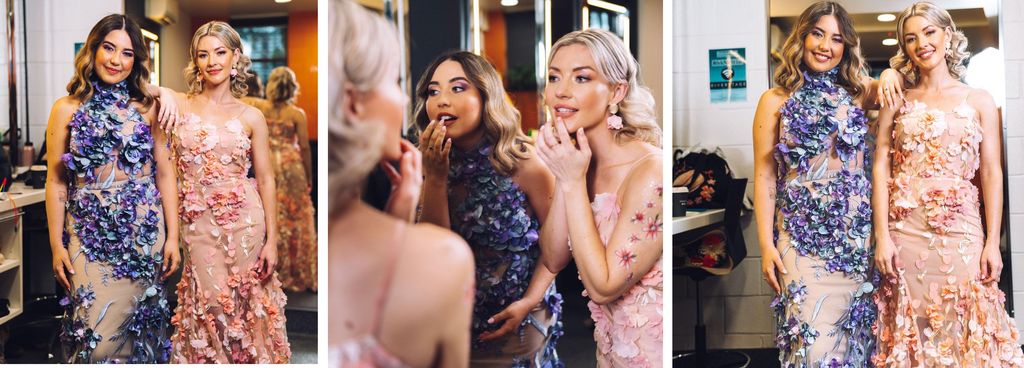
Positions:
(629, 331)
(936, 313)
(114, 232)
(225, 314)
(822, 228)
(295, 221)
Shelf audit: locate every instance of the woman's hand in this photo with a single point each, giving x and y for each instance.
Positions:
(568, 163)
(513, 315)
(171, 257)
(62, 262)
(168, 114)
(991, 263)
(885, 256)
(267, 262)
(770, 262)
(890, 87)
(435, 150)
(405, 185)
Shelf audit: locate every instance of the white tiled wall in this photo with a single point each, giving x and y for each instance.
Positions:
(736, 306)
(54, 26)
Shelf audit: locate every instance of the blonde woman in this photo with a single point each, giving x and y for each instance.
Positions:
(483, 181)
(938, 302)
(401, 294)
(608, 190)
(293, 174)
(230, 303)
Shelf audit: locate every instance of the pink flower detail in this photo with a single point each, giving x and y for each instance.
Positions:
(653, 227)
(625, 257)
(638, 217)
(633, 238)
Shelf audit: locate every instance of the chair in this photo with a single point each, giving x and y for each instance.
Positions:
(736, 250)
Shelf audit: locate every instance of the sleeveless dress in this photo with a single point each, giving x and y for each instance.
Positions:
(225, 314)
(296, 223)
(629, 331)
(116, 311)
(368, 352)
(823, 228)
(936, 313)
(494, 220)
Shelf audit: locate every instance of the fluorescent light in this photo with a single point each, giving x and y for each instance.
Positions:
(886, 17)
(889, 42)
(282, 1)
(509, 2)
(607, 5)
(149, 35)
(586, 17)
(476, 27)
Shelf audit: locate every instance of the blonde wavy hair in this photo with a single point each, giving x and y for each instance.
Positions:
(80, 86)
(281, 86)
(789, 74)
(229, 38)
(500, 119)
(939, 17)
(363, 46)
(617, 65)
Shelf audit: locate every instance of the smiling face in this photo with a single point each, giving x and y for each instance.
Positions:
(823, 46)
(214, 59)
(114, 58)
(925, 42)
(576, 92)
(451, 96)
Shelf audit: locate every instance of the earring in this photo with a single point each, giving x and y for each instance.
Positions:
(199, 78)
(234, 72)
(949, 50)
(614, 121)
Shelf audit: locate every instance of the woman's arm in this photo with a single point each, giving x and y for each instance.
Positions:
(991, 173)
(304, 151)
(167, 184)
(766, 136)
(265, 180)
(881, 171)
(167, 100)
(435, 169)
(554, 230)
(57, 144)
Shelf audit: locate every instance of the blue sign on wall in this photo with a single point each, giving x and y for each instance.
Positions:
(728, 75)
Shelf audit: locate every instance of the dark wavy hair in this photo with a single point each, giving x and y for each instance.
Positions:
(80, 86)
(789, 74)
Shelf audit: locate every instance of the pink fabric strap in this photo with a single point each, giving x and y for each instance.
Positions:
(392, 263)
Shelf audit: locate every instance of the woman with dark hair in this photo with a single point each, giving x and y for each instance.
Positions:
(108, 220)
(230, 302)
(495, 192)
(812, 193)
(939, 303)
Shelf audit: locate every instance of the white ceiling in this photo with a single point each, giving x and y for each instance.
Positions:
(243, 8)
(793, 8)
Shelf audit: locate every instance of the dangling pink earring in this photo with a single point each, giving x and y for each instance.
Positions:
(234, 72)
(199, 78)
(614, 121)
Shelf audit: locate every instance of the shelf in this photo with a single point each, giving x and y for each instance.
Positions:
(9, 264)
(14, 313)
(694, 220)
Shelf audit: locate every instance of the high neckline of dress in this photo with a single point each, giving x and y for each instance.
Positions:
(119, 87)
(482, 148)
(821, 81)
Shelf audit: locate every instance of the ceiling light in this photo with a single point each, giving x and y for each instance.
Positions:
(889, 42)
(886, 17)
(509, 2)
(282, 1)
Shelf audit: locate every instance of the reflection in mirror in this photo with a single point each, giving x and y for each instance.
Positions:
(509, 37)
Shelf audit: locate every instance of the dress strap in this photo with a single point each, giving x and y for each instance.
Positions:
(389, 273)
(617, 187)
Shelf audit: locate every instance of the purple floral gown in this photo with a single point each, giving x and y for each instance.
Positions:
(114, 232)
(491, 213)
(822, 228)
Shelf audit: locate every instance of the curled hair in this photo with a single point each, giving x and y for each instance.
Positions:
(254, 85)
(939, 17)
(80, 86)
(281, 86)
(363, 46)
(500, 119)
(618, 66)
(789, 74)
(231, 40)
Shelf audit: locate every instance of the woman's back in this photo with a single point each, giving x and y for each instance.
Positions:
(426, 277)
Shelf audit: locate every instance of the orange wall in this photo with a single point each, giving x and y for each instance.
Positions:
(302, 58)
(495, 43)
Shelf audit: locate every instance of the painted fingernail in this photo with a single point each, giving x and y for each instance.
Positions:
(490, 320)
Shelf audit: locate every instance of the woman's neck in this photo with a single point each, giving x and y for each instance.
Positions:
(220, 93)
(469, 140)
(604, 150)
(935, 79)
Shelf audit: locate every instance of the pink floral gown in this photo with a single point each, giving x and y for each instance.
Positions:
(224, 314)
(296, 241)
(629, 330)
(936, 313)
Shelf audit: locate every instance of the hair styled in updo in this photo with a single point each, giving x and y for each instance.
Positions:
(940, 18)
(231, 40)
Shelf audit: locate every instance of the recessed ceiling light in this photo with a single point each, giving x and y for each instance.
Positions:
(889, 42)
(282, 1)
(509, 2)
(886, 17)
